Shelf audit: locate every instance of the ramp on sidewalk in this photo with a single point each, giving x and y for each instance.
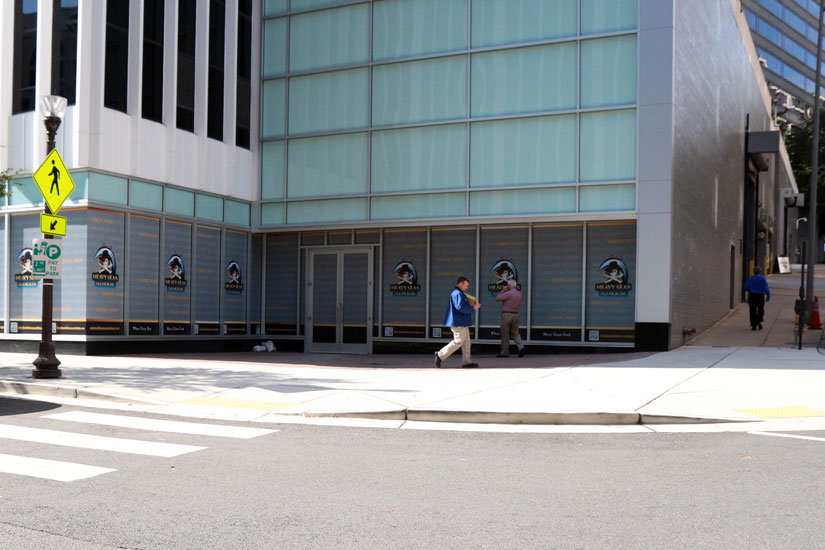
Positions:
(778, 328)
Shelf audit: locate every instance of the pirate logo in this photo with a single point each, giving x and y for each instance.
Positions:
(26, 279)
(616, 278)
(503, 271)
(406, 283)
(106, 274)
(176, 281)
(233, 273)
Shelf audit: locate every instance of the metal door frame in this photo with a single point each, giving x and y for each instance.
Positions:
(338, 346)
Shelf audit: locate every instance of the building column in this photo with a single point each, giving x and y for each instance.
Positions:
(655, 174)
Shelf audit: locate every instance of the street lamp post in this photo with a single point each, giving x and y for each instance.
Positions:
(52, 108)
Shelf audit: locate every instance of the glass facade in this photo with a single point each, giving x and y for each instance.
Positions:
(401, 109)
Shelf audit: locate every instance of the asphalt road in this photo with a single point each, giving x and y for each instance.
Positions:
(308, 486)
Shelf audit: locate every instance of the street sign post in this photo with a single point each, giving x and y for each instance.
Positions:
(52, 225)
(47, 258)
(54, 181)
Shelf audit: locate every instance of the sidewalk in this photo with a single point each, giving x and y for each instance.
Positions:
(744, 379)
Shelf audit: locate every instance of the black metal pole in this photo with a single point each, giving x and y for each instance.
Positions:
(46, 363)
(812, 237)
(800, 315)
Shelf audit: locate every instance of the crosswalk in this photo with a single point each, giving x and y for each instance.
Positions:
(69, 471)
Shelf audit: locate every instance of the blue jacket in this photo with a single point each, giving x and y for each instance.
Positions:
(459, 311)
(758, 284)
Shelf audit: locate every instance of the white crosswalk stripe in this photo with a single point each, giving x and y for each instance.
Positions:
(140, 423)
(100, 443)
(70, 471)
(48, 469)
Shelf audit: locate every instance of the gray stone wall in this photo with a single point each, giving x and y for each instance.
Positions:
(716, 89)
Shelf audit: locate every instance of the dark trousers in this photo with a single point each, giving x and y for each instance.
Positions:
(756, 302)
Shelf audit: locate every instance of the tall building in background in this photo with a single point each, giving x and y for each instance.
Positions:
(785, 33)
(321, 171)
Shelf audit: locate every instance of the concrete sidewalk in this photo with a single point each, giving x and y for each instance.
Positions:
(727, 375)
(690, 385)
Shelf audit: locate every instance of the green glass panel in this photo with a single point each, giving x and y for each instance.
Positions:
(272, 213)
(525, 80)
(440, 205)
(274, 7)
(420, 91)
(497, 22)
(608, 73)
(330, 165)
(594, 198)
(106, 188)
(306, 4)
(523, 201)
(433, 157)
(608, 146)
(178, 201)
(272, 170)
(208, 207)
(329, 38)
(274, 47)
(600, 16)
(25, 192)
(329, 101)
(273, 109)
(145, 195)
(335, 210)
(523, 151)
(236, 212)
(407, 28)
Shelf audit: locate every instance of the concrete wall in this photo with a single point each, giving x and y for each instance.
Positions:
(717, 85)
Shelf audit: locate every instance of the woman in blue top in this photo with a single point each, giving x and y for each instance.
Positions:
(758, 294)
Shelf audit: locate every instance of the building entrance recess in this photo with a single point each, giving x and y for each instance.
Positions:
(339, 293)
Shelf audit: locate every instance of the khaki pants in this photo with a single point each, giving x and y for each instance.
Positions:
(509, 330)
(461, 339)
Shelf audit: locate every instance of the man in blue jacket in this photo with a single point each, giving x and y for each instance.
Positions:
(758, 294)
(459, 318)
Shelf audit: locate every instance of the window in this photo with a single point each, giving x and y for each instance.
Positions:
(64, 49)
(152, 100)
(116, 80)
(214, 113)
(25, 55)
(186, 65)
(244, 98)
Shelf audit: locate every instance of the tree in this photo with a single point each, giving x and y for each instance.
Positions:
(6, 177)
(798, 143)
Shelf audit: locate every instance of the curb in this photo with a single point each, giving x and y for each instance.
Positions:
(68, 392)
(533, 418)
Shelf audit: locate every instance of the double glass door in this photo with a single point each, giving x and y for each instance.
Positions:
(339, 300)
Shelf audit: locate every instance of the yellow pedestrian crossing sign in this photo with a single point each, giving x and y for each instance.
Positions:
(52, 225)
(54, 181)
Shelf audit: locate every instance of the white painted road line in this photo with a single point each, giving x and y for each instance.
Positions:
(790, 436)
(118, 445)
(171, 426)
(48, 469)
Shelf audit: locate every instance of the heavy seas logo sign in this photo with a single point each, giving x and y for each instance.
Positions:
(176, 282)
(616, 278)
(25, 279)
(503, 271)
(106, 274)
(233, 285)
(406, 283)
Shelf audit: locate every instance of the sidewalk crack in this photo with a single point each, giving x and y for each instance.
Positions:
(688, 379)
